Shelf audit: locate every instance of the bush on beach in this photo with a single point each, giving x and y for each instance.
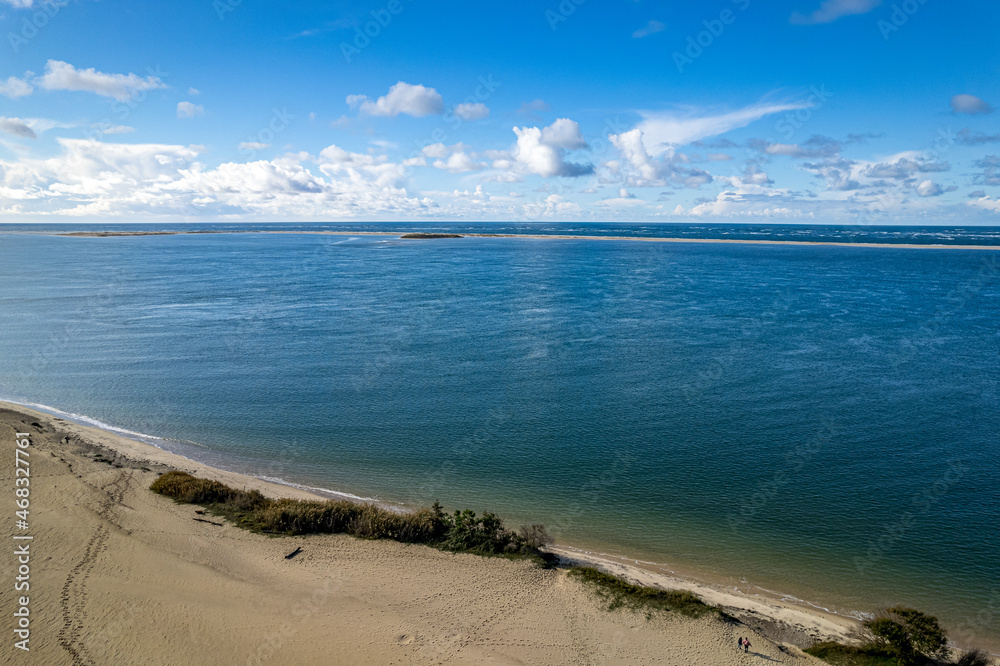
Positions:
(462, 532)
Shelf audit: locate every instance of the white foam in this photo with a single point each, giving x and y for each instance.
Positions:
(87, 420)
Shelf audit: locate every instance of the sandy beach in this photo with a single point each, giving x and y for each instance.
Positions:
(120, 574)
(725, 241)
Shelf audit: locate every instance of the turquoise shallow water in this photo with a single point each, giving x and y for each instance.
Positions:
(816, 420)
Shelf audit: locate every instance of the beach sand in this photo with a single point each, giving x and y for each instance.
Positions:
(120, 575)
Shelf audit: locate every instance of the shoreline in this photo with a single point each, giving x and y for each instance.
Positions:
(770, 614)
(724, 241)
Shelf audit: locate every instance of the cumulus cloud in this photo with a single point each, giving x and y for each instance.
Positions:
(16, 127)
(453, 159)
(831, 10)
(986, 203)
(929, 188)
(189, 110)
(90, 178)
(663, 131)
(61, 75)
(413, 100)
(650, 28)
(14, 88)
(640, 169)
(564, 133)
(472, 111)
(969, 104)
(541, 151)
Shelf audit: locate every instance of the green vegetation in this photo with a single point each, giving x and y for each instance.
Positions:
(618, 593)
(913, 637)
(974, 658)
(849, 655)
(463, 532)
(897, 636)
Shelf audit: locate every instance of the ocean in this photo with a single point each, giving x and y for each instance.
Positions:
(816, 421)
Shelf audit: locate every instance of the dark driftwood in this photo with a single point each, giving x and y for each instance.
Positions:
(202, 520)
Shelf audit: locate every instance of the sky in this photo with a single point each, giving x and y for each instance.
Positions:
(788, 111)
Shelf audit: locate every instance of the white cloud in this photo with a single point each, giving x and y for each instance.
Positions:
(117, 129)
(641, 169)
(472, 111)
(61, 75)
(831, 10)
(663, 131)
(650, 28)
(253, 145)
(189, 110)
(542, 151)
(20, 4)
(413, 100)
(929, 188)
(458, 163)
(969, 104)
(16, 127)
(14, 87)
(193, 91)
(454, 159)
(564, 133)
(93, 179)
(987, 204)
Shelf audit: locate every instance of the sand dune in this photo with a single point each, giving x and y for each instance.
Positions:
(123, 576)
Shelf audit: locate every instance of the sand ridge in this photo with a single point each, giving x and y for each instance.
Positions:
(402, 235)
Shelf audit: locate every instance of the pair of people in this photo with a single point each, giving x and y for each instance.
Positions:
(743, 643)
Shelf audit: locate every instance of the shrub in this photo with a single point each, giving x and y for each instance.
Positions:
(850, 655)
(974, 658)
(188, 489)
(485, 535)
(912, 636)
(534, 536)
(463, 532)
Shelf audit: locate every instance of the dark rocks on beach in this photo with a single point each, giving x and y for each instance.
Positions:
(424, 236)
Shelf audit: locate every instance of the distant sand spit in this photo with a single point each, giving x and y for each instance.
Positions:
(909, 246)
(121, 575)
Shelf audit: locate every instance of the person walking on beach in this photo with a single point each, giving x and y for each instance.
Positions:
(746, 645)
(739, 643)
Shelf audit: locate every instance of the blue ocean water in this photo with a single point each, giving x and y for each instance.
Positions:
(821, 421)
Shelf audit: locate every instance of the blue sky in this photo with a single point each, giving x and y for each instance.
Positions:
(813, 111)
